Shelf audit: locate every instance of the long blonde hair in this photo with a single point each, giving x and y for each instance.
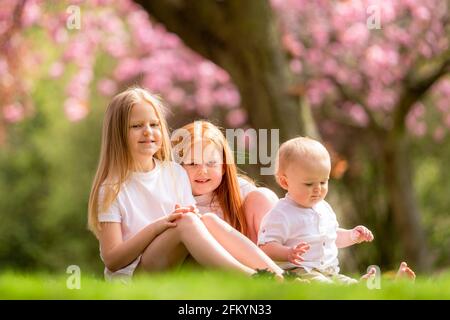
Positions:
(228, 192)
(115, 157)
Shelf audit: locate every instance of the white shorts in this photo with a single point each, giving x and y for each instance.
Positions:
(124, 274)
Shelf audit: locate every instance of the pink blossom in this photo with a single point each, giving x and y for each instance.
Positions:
(292, 45)
(444, 87)
(236, 117)
(107, 87)
(421, 13)
(439, 134)
(157, 82)
(3, 66)
(13, 113)
(78, 90)
(115, 47)
(357, 34)
(127, 69)
(204, 101)
(357, 113)
(75, 110)
(222, 77)
(382, 57)
(176, 96)
(31, 13)
(296, 66)
(228, 97)
(56, 70)
(443, 104)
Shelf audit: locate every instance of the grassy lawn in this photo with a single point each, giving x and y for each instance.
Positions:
(211, 285)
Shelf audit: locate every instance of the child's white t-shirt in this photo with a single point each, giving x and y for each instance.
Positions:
(206, 203)
(289, 224)
(145, 197)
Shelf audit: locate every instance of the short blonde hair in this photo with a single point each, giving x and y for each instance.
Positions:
(300, 149)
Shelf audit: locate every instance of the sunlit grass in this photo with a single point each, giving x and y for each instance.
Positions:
(210, 285)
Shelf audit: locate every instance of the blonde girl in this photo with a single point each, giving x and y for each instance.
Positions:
(203, 151)
(141, 207)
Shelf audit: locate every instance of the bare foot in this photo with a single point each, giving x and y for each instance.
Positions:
(404, 272)
(372, 273)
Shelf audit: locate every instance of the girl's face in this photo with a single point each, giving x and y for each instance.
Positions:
(144, 134)
(205, 168)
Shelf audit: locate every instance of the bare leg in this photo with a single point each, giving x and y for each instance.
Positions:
(164, 252)
(190, 235)
(238, 245)
(404, 272)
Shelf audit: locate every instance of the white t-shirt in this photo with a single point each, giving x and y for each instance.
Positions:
(145, 197)
(289, 224)
(206, 204)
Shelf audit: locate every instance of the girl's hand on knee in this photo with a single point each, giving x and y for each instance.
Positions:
(186, 209)
(169, 221)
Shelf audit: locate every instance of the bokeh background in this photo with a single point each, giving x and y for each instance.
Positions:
(369, 78)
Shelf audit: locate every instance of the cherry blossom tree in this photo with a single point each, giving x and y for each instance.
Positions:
(141, 52)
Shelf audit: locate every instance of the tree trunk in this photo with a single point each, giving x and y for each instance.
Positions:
(401, 195)
(242, 38)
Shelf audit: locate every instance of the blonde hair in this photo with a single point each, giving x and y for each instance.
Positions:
(228, 192)
(299, 149)
(115, 157)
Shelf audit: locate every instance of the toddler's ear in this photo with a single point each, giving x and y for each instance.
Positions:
(282, 180)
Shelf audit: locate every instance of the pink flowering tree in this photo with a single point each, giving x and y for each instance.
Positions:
(87, 33)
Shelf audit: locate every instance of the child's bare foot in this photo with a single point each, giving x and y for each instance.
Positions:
(404, 272)
(372, 273)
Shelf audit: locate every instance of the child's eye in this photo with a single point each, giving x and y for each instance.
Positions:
(323, 182)
(211, 164)
(308, 184)
(154, 125)
(136, 126)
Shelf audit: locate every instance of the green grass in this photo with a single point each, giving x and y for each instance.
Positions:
(211, 285)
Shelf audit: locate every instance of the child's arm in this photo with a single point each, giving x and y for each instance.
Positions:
(346, 238)
(278, 252)
(117, 253)
(256, 204)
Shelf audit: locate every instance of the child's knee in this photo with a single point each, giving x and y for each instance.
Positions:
(209, 217)
(188, 220)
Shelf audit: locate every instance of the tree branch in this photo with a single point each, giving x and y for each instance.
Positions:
(353, 96)
(417, 83)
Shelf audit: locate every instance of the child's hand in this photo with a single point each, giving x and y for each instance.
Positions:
(185, 209)
(295, 253)
(360, 234)
(168, 221)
